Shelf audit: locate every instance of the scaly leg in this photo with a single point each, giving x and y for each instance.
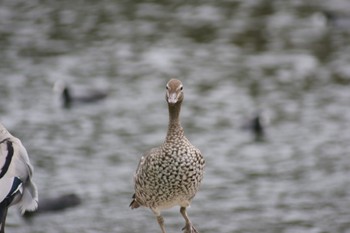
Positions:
(189, 228)
(160, 220)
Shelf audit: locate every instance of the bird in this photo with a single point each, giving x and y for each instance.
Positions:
(170, 175)
(256, 126)
(16, 185)
(337, 20)
(55, 204)
(69, 97)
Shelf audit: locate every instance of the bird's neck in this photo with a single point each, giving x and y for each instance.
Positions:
(175, 129)
(67, 98)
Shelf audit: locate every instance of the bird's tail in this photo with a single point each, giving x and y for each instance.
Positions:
(29, 199)
(134, 204)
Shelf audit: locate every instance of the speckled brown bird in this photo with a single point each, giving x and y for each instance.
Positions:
(170, 175)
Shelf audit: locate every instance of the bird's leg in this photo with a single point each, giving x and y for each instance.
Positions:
(3, 214)
(160, 220)
(189, 228)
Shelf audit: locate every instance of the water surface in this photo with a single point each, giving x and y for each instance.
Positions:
(234, 58)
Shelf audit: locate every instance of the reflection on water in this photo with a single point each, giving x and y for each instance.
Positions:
(285, 58)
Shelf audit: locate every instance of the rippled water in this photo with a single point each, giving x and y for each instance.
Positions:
(234, 58)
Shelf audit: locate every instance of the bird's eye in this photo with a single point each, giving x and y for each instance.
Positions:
(167, 87)
(181, 88)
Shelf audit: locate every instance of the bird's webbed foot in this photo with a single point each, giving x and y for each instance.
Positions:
(189, 228)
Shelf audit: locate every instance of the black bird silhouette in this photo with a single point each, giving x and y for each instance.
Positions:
(256, 126)
(53, 204)
(68, 97)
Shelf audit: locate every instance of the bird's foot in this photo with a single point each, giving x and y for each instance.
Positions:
(189, 228)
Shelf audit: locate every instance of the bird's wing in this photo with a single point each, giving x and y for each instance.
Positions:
(135, 203)
(24, 170)
(144, 157)
(10, 186)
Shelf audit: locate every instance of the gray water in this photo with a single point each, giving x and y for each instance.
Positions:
(234, 57)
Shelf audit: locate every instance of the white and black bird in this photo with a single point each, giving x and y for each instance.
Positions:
(16, 185)
(170, 175)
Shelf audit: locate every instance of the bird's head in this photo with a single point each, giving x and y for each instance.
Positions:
(174, 92)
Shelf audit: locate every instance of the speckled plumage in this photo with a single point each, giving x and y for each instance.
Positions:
(170, 174)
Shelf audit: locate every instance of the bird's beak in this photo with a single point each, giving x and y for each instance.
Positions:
(172, 98)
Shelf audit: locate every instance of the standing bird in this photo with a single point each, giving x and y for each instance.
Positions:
(16, 186)
(170, 174)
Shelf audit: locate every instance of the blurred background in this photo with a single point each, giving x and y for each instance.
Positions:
(286, 60)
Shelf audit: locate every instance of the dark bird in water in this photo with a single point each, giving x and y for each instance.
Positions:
(16, 186)
(170, 175)
(54, 204)
(338, 21)
(68, 97)
(256, 126)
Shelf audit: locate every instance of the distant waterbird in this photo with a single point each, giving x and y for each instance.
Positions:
(16, 185)
(256, 126)
(338, 21)
(170, 175)
(55, 204)
(68, 97)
